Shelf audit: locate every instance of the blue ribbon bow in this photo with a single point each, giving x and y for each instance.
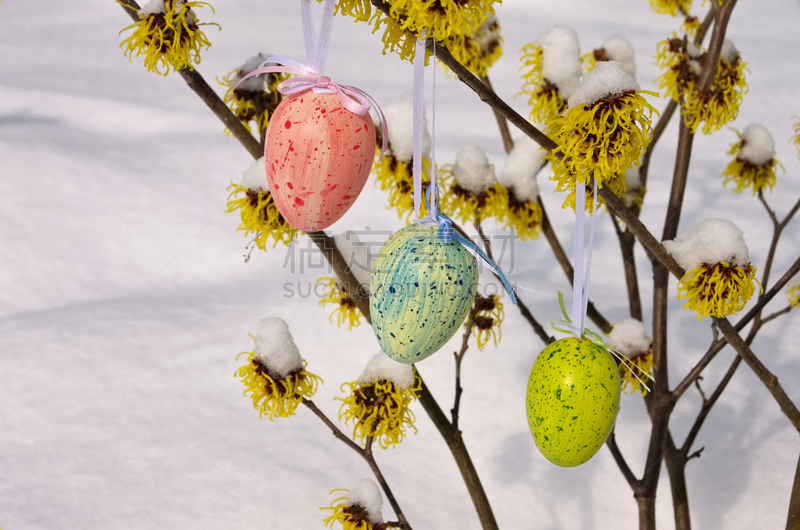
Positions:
(446, 234)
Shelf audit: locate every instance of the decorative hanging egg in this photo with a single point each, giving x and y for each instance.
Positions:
(318, 156)
(572, 400)
(420, 292)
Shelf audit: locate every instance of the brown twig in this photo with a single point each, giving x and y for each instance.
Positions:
(793, 519)
(455, 443)
(366, 454)
(209, 97)
(508, 142)
(626, 244)
(459, 356)
(611, 443)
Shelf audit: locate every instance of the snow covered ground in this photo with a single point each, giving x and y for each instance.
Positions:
(124, 297)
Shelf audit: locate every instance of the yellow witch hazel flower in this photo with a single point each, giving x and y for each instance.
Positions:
(671, 7)
(275, 377)
(796, 140)
(259, 214)
(257, 97)
(442, 19)
(395, 172)
(685, 62)
(488, 317)
(614, 48)
(470, 190)
(630, 339)
(754, 165)
(168, 35)
(479, 51)
(358, 509)
(378, 401)
(794, 294)
(721, 104)
(357, 257)
(551, 68)
(719, 277)
(690, 26)
(603, 134)
(519, 177)
(346, 310)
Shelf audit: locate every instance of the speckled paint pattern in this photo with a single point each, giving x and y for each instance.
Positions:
(572, 400)
(318, 156)
(420, 293)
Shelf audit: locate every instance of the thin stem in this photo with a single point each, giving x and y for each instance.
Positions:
(523, 309)
(706, 407)
(776, 314)
(459, 356)
(626, 244)
(718, 345)
(455, 443)
(332, 426)
(658, 130)
(721, 17)
(793, 519)
(508, 142)
(769, 379)
(373, 465)
(209, 97)
(366, 454)
(611, 443)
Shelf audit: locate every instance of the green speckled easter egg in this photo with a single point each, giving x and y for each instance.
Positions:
(572, 400)
(420, 293)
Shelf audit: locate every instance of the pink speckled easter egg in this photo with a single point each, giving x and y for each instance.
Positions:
(318, 156)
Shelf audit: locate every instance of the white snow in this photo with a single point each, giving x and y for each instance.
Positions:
(255, 83)
(606, 79)
(729, 53)
(709, 241)
(561, 58)
(356, 254)
(629, 337)
(367, 495)
(275, 347)
(618, 48)
(522, 165)
(759, 146)
(696, 67)
(153, 7)
(633, 181)
(472, 169)
(692, 50)
(255, 177)
(399, 113)
(381, 366)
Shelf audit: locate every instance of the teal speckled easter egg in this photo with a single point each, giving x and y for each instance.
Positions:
(420, 293)
(572, 400)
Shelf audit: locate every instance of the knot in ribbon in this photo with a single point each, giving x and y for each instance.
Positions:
(446, 234)
(353, 99)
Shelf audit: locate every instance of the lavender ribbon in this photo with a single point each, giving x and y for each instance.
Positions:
(310, 77)
(580, 279)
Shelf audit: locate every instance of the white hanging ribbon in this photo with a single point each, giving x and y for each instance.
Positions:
(417, 119)
(581, 275)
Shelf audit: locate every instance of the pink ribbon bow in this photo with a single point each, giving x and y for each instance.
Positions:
(353, 99)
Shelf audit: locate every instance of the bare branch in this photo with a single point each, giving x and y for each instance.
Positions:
(455, 443)
(373, 465)
(611, 443)
(508, 142)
